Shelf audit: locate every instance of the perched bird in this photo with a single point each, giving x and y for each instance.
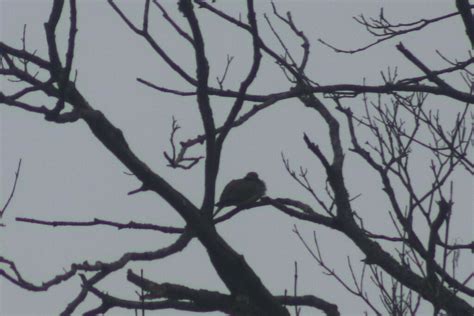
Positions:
(241, 191)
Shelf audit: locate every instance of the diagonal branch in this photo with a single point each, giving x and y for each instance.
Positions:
(177, 28)
(429, 74)
(465, 10)
(154, 45)
(239, 101)
(17, 173)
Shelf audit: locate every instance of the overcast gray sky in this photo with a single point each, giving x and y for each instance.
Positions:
(68, 175)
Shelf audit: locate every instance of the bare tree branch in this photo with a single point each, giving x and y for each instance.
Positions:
(5, 206)
(97, 222)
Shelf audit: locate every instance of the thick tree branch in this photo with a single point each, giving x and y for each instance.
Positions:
(215, 301)
(465, 10)
(202, 70)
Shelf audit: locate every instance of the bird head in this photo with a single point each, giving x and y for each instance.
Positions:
(252, 176)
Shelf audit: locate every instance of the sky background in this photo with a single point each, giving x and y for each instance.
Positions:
(68, 175)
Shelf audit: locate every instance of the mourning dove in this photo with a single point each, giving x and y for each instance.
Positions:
(241, 191)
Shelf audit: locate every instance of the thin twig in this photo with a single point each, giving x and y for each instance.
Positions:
(17, 173)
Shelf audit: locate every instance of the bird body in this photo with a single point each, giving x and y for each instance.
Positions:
(242, 191)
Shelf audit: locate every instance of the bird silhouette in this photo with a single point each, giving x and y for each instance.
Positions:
(242, 191)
